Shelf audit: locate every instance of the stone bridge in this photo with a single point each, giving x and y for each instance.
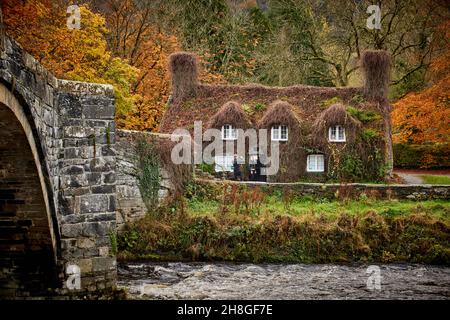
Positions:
(57, 180)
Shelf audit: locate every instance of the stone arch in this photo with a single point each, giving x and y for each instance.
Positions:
(68, 129)
(27, 217)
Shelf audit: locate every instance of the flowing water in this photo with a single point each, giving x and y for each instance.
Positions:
(283, 281)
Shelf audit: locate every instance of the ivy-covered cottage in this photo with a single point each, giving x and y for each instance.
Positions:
(324, 134)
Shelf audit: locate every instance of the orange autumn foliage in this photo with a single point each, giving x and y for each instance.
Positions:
(136, 35)
(153, 84)
(424, 116)
(40, 26)
(141, 80)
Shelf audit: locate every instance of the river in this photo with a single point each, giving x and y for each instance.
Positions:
(283, 281)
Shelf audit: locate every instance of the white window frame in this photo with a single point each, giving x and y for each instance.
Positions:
(233, 132)
(279, 130)
(314, 159)
(337, 138)
(223, 163)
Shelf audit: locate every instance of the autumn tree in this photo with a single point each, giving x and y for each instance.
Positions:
(142, 33)
(40, 26)
(275, 42)
(323, 41)
(424, 116)
(153, 83)
(223, 33)
(134, 36)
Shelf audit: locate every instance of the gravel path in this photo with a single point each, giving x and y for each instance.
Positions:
(410, 178)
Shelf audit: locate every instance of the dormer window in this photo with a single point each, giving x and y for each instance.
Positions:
(228, 132)
(336, 134)
(280, 133)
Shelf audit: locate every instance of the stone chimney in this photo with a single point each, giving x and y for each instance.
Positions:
(376, 65)
(184, 72)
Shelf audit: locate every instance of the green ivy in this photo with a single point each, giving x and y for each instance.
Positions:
(328, 102)
(260, 107)
(208, 168)
(357, 99)
(352, 167)
(148, 172)
(247, 109)
(113, 240)
(365, 116)
(369, 135)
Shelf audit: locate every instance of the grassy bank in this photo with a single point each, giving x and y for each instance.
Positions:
(272, 206)
(258, 228)
(434, 179)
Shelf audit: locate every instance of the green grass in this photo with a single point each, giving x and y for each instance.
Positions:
(432, 179)
(332, 209)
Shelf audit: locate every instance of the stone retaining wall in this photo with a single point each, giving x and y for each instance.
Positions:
(350, 190)
(130, 204)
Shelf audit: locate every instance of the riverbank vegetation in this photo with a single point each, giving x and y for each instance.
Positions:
(252, 226)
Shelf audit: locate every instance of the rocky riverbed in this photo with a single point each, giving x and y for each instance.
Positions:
(283, 281)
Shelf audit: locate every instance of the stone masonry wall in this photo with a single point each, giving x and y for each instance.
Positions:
(29, 90)
(352, 190)
(36, 88)
(130, 205)
(72, 124)
(27, 263)
(87, 191)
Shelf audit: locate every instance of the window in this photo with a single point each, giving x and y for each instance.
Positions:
(336, 134)
(253, 155)
(228, 132)
(280, 133)
(223, 163)
(315, 163)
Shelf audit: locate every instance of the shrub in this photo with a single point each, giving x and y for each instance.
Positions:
(376, 65)
(412, 156)
(310, 238)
